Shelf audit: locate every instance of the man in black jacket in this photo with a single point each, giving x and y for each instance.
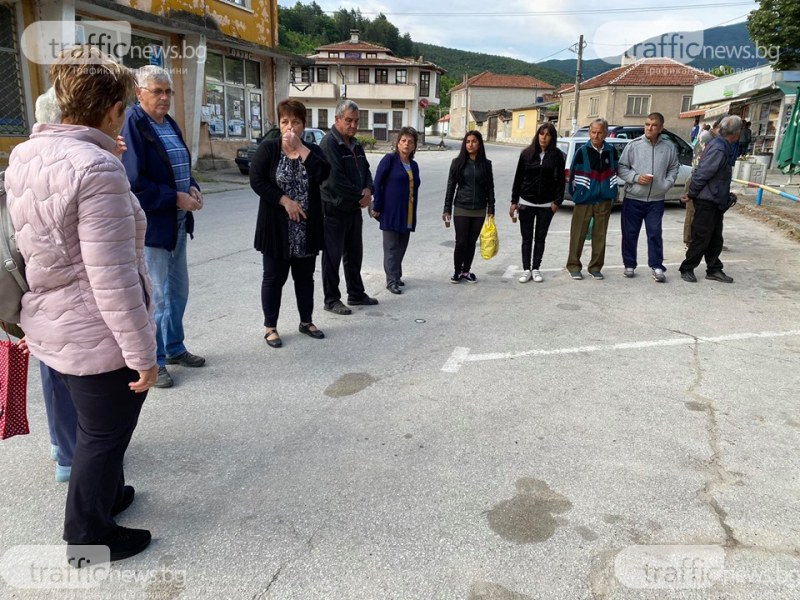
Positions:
(347, 190)
(710, 190)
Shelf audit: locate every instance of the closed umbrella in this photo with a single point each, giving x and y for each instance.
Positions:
(789, 154)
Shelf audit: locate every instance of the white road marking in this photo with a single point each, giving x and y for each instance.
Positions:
(461, 354)
(512, 270)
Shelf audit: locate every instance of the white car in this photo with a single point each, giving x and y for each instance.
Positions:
(569, 145)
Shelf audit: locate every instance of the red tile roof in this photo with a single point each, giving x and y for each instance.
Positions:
(348, 46)
(489, 79)
(646, 72)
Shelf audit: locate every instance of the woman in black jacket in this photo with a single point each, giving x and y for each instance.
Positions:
(469, 198)
(536, 194)
(286, 174)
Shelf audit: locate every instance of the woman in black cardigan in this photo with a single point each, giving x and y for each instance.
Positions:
(286, 174)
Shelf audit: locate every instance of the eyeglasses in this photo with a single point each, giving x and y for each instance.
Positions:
(159, 92)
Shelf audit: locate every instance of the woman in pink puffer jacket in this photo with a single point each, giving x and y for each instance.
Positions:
(87, 314)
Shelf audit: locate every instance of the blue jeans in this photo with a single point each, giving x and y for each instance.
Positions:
(633, 213)
(169, 274)
(62, 418)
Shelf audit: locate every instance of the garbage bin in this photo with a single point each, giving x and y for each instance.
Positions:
(764, 158)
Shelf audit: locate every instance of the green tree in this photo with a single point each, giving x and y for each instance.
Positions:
(775, 27)
(381, 32)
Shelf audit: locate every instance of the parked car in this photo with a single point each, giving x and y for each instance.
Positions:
(570, 145)
(245, 155)
(629, 132)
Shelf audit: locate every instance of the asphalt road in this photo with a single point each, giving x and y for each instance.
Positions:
(616, 439)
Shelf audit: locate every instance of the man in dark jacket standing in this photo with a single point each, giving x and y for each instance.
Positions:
(158, 165)
(347, 190)
(710, 190)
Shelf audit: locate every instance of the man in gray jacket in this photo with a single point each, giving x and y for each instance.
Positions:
(710, 189)
(649, 167)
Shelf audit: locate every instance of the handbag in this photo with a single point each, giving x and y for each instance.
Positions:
(490, 243)
(13, 390)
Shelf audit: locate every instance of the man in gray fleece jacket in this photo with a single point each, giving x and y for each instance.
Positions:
(649, 167)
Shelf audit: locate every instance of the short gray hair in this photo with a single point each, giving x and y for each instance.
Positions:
(344, 105)
(152, 73)
(730, 125)
(602, 122)
(47, 110)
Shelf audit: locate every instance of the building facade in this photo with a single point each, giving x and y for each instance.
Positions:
(627, 94)
(221, 53)
(471, 101)
(391, 92)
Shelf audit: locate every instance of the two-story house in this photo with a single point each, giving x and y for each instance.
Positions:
(221, 54)
(626, 94)
(391, 92)
(470, 101)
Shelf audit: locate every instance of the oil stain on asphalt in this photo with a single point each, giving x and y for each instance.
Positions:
(530, 516)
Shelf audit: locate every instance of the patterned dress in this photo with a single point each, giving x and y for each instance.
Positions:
(293, 180)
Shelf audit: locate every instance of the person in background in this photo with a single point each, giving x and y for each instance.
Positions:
(159, 170)
(711, 191)
(395, 204)
(468, 199)
(649, 167)
(536, 195)
(695, 130)
(87, 315)
(593, 186)
(745, 137)
(707, 133)
(345, 192)
(286, 174)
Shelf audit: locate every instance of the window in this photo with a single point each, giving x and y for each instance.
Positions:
(242, 3)
(397, 119)
(363, 119)
(234, 97)
(401, 76)
(464, 99)
(322, 118)
(144, 51)
(372, 55)
(302, 75)
(638, 106)
(398, 104)
(381, 75)
(309, 116)
(333, 55)
(521, 122)
(363, 76)
(322, 74)
(12, 104)
(425, 83)
(593, 106)
(686, 103)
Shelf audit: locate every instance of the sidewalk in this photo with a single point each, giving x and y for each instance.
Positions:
(775, 210)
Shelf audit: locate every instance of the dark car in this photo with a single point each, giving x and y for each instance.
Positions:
(629, 132)
(245, 155)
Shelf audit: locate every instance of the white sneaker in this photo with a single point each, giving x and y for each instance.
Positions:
(629, 272)
(537, 277)
(525, 277)
(658, 275)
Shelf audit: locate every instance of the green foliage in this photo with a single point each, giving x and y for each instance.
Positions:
(367, 141)
(775, 26)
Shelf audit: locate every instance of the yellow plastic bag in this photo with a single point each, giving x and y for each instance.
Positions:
(490, 243)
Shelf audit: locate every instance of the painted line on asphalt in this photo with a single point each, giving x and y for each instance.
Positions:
(512, 270)
(461, 355)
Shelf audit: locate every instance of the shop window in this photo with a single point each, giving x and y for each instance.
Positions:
(252, 72)
(12, 103)
(234, 71)
(233, 105)
(144, 51)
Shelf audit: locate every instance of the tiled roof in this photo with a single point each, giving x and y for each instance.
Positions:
(489, 79)
(389, 61)
(646, 72)
(348, 46)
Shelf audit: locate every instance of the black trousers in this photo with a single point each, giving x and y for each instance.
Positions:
(343, 245)
(276, 272)
(468, 230)
(107, 415)
(706, 237)
(533, 224)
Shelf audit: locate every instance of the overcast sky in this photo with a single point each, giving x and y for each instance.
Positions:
(533, 30)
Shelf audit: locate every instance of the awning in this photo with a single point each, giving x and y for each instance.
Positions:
(718, 111)
(789, 88)
(691, 114)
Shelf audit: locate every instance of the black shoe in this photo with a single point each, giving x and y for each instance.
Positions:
(127, 498)
(339, 308)
(187, 359)
(688, 276)
(122, 543)
(164, 379)
(719, 276)
(393, 287)
(275, 342)
(363, 301)
(401, 283)
(456, 278)
(315, 333)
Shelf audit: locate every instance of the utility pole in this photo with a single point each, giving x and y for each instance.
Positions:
(578, 48)
(466, 99)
